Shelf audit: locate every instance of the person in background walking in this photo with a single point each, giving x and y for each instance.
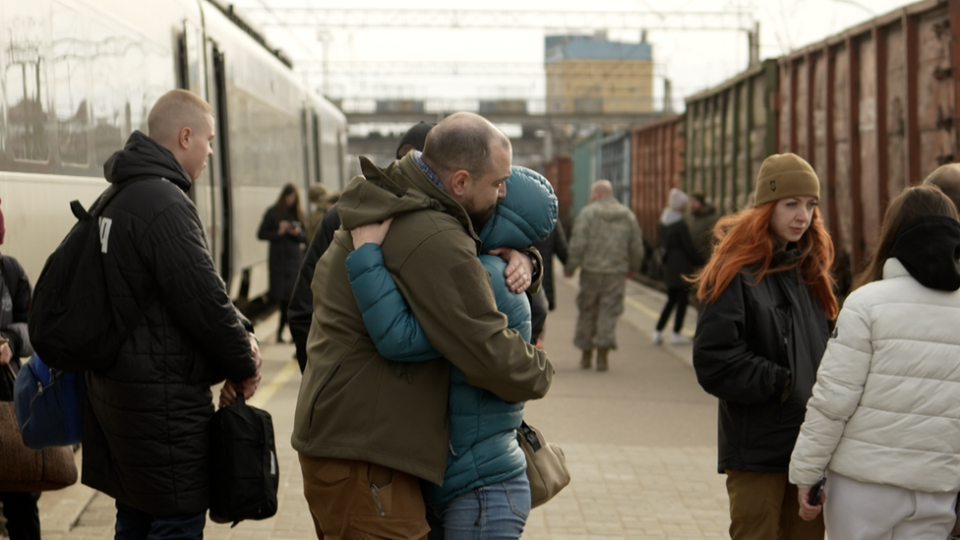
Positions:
(767, 301)
(19, 508)
(701, 218)
(882, 422)
(606, 245)
(282, 226)
(680, 258)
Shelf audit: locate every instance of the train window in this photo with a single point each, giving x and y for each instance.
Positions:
(26, 89)
(70, 79)
(107, 82)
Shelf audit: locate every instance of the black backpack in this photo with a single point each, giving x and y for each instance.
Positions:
(71, 318)
(244, 471)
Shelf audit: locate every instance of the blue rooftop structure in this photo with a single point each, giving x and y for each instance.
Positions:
(580, 47)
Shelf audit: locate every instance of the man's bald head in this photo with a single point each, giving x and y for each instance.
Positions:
(462, 141)
(182, 123)
(601, 189)
(174, 111)
(947, 178)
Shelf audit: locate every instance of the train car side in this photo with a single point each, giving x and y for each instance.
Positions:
(657, 166)
(873, 110)
(80, 76)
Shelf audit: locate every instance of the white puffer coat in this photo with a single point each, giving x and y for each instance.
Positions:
(886, 405)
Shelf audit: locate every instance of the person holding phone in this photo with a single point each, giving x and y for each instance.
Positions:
(882, 424)
(282, 227)
(767, 298)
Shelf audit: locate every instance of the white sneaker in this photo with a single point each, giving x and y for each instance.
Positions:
(680, 339)
(657, 337)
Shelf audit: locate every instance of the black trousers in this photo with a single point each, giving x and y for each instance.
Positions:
(23, 518)
(676, 297)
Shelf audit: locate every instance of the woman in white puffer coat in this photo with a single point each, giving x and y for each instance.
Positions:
(883, 424)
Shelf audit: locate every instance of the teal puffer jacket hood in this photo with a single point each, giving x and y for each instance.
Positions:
(526, 215)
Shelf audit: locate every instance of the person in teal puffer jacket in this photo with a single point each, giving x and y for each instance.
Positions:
(485, 461)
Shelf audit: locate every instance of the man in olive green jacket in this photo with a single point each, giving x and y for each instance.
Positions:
(363, 423)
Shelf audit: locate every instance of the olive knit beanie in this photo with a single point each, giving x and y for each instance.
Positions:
(785, 175)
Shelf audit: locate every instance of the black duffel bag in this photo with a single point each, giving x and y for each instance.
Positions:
(244, 467)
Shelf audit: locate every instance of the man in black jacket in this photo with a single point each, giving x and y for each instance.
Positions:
(145, 435)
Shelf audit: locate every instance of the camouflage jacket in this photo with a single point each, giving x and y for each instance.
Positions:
(606, 239)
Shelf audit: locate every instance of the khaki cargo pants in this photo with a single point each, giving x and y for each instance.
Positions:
(356, 500)
(600, 302)
(764, 506)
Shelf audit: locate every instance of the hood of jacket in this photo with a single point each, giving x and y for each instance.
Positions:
(527, 214)
(142, 157)
(400, 188)
(928, 247)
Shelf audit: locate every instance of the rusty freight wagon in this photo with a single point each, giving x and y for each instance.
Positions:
(730, 129)
(657, 166)
(873, 110)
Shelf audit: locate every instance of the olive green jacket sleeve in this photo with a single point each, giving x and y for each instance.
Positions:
(451, 295)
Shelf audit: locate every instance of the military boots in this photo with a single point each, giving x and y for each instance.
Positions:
(586, 359)
(602, 359)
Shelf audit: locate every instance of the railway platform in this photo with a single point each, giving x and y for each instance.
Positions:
(640, 442)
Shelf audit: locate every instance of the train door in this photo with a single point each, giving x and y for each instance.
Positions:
(192, 76)
(317, 147)
(222, 177)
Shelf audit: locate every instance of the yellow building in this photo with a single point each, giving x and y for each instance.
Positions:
(592, 74)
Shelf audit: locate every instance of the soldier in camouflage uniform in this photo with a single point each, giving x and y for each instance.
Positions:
(606, 245)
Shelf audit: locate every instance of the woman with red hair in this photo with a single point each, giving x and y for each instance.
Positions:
(767, 302)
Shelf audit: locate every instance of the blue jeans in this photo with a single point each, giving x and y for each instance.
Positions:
(133, 524)
(494, 512)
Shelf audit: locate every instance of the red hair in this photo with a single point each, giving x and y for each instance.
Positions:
(744, 239)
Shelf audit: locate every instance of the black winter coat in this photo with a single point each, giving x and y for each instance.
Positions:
(300, 310)
(758, 348)
(680, 256)
(285, 253)
(145, 432)
(555, 244)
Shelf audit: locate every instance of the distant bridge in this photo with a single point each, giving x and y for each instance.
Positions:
(532, 113)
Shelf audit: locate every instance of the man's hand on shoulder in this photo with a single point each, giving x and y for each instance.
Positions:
(519, 272)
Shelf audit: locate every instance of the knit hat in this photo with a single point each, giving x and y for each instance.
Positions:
(317, 193)
(416, 136)
(785, 175)
(678, 199)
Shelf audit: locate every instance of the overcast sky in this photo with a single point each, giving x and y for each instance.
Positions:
(693, 60)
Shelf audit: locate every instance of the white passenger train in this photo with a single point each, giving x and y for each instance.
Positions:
(78, 76)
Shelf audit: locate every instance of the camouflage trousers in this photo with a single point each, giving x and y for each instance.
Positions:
(600, 302)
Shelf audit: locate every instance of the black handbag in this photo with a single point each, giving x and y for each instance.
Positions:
(244, 467)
